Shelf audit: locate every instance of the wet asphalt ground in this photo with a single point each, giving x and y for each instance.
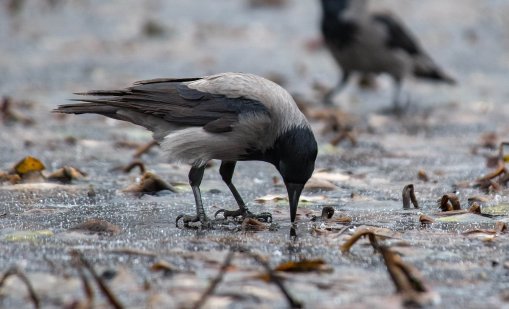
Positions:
(48, 52)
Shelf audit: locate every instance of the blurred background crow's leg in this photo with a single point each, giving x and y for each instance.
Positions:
(336, 90)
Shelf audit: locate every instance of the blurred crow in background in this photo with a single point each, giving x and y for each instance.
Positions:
(373, 43)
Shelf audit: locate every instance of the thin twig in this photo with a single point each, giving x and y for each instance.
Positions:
(89, 292)
(136, 163)
(275, 279)
(215, 282)
(100, 282)
(14, 271)
(144, 149)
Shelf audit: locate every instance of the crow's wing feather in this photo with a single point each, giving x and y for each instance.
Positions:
(398, 35)
(170, 100)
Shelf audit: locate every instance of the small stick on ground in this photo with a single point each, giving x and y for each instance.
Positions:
(215, 282)
(498, 172)
(275, 279)
(409, 196)
(82, 262)
(87, 288)
(136, 163)
(144, 149)
(14, 271)
(407, 279)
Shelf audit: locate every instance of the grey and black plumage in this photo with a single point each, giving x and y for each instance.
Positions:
(374, 43)
(229, 117)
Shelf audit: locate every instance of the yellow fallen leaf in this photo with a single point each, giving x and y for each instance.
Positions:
(27, 235)
(28, 165)
(506, 158)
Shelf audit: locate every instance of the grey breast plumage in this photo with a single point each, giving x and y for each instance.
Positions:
(222, 116)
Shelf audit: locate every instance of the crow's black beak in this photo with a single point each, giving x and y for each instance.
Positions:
(294, 190)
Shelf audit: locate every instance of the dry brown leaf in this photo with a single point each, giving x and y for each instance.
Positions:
(475, 209)
(500, 227)
(150, 183)
(426, 219)
(163, 266)
(342, 219)
(12, 178)
(66, 174)
(449, 202)
(317, 265)
(97, 226)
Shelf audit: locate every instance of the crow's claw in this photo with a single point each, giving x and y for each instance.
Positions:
(264, 216)
(205, 222)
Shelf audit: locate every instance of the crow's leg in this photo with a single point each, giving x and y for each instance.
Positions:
(398, 107)
(336, 90)
(226, 171)
(195, 177)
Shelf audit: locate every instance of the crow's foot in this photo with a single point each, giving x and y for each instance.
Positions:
(242, 214)
(205, 223)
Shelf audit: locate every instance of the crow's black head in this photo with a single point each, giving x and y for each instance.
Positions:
(296, 155)
(297, 151)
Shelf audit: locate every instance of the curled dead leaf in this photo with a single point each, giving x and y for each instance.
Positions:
(150, 183)
(408, 196)
(66, 174)
(475, 209)
(372, 233)
(426, 219)
(136, 163)
(449, 202)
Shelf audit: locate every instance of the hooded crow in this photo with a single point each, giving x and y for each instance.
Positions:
(375, 43)
(229, 117)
